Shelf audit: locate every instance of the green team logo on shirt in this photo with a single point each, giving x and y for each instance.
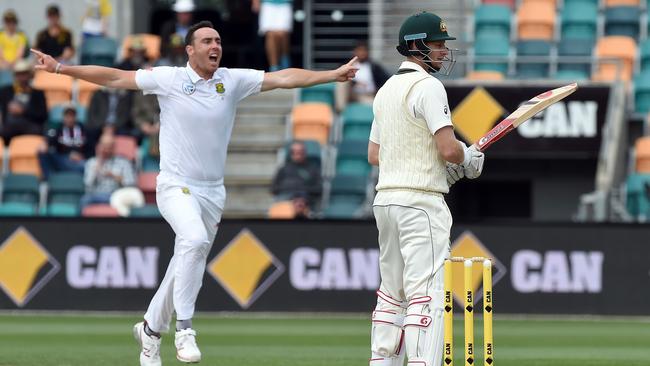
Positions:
(220, 88)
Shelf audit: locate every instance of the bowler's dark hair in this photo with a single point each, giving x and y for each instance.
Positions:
(189, 37)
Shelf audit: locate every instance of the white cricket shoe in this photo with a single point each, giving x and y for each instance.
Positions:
(150, 346)
(186, 349)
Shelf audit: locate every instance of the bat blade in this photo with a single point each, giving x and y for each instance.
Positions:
(524, 113)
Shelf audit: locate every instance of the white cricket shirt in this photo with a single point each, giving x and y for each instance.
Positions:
(197, 116)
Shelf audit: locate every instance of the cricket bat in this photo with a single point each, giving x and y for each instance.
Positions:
(524, 113)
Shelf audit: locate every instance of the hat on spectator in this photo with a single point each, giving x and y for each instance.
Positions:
(183, 6)
(22, 65)
(69, 107)
(10, 15)
(53, 10)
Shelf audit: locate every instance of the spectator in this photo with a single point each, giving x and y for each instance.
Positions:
(109, 112)
(55, 39)
(145, 114)
(95, 20)
(136, 57)
(298, 176)
(67, 149)
(179, 25)
(176, 55)
(105, 173)
(301, 207)
(275, 23)
(13, 42)
(23, 108)
(362, 89)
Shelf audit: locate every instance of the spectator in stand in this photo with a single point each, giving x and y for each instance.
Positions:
(179, 25)
(109, 112)
(95, 20)
(67, 149)
(23, 108)
(105, 173)
(145, 114)
(275, 23)
(55, 39)
(362, 89)
(136, 57)
(13, 42)
(176, 55)
(298, 176)
(301, 207)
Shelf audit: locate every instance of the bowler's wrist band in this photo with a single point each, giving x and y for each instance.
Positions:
(57, 69)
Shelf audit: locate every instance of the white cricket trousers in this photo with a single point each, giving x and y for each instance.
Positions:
(414, 230)
(193, 209)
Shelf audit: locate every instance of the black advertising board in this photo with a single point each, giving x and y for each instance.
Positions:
(569, 129)
(315, 266)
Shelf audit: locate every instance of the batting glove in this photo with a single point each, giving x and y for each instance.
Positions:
(472, 162)
(455, 173)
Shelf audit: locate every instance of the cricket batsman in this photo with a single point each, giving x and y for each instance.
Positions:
(412, 141)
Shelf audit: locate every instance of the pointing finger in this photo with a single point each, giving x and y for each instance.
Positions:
(353, 61)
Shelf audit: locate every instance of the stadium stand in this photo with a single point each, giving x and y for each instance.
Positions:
(21, 188)
(323, 93)
(493, 19)
(536, 20)
(569, 69)
(622, 21)
(617, 47)
(536, 48)
(23, 154)
(57, 88)
(98, 51)
(312, 121)
(579, 20)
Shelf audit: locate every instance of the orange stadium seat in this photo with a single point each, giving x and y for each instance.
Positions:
(99, 210)
(23, 154)
(282, 210)
(536, 20)
(85, 90)
(642, 158)
(484, 75)
(126, 147)
(57, 88)
(151, 44)
(619, 47)
(312, 121)
(147, 184)
(610, 3)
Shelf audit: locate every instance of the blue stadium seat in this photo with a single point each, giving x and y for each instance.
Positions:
(65, 187)
(147, 211)
(17, 209)
(537, 48)
(348, 188)
(55, 113)
(62, 209)
(493, 19)
(642, 92)
(21, 188)
(6, 78)
(637, 199)
(644, 55)
(323, 93)
(579, 20)
(491, 47)
(622, 21)
(580, 48)
(98, 51)
(357, 121)
(341, 210)
(352, 158)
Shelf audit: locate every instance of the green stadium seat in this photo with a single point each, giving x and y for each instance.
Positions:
(357, 121)
(644, 55)
(491, 47)
(492, 19)
(323, 93)
(579, 20)
(17, 209)
(352, 158)
(6, 78)
(348, 188)
(149, 163)
(637, 200)
(65, 187)
(536, 48)
(98, 51)
(62, 209)
(341, 210)
(581, 48)
(21, 188)
(150, 211)
(593, 2)
(622, 21)
(313, 150)
(642, 92)
(55, 113)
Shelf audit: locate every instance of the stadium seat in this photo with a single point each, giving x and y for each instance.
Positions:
(6, 77)
(348, 188)
(65, 187)
(282, 210)
(352, 158)
(57, 87)
(17, 209)
(62, 209)
(151, 44)
(642, 155)
(55, 114)
(579, 21)
(98, 51)
(508, 3)
(312, 121)
(492, 19)
(99, 210)
(568, 48)
(146, 211)
(85, 90)
(644, 55)
(322, 93)
(126, 147)
(484, 75)
(637, 200)
(642, 92)
(341, 210)
(536, 20)
(312, 149)
(20, 188)
(619, 47)
(533, 48)
(23, 154)
(147, 184)
(594, 2)
(622, 21)
(357, 121)
(495, 48)
(609, 3)
(148, 162)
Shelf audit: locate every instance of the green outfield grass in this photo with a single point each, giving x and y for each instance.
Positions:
(38, 340)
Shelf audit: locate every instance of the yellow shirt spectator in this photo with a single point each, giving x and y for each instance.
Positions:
(12, 41)
(95, 21)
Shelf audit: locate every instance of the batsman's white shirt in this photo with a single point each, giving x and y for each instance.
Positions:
(196, 121)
